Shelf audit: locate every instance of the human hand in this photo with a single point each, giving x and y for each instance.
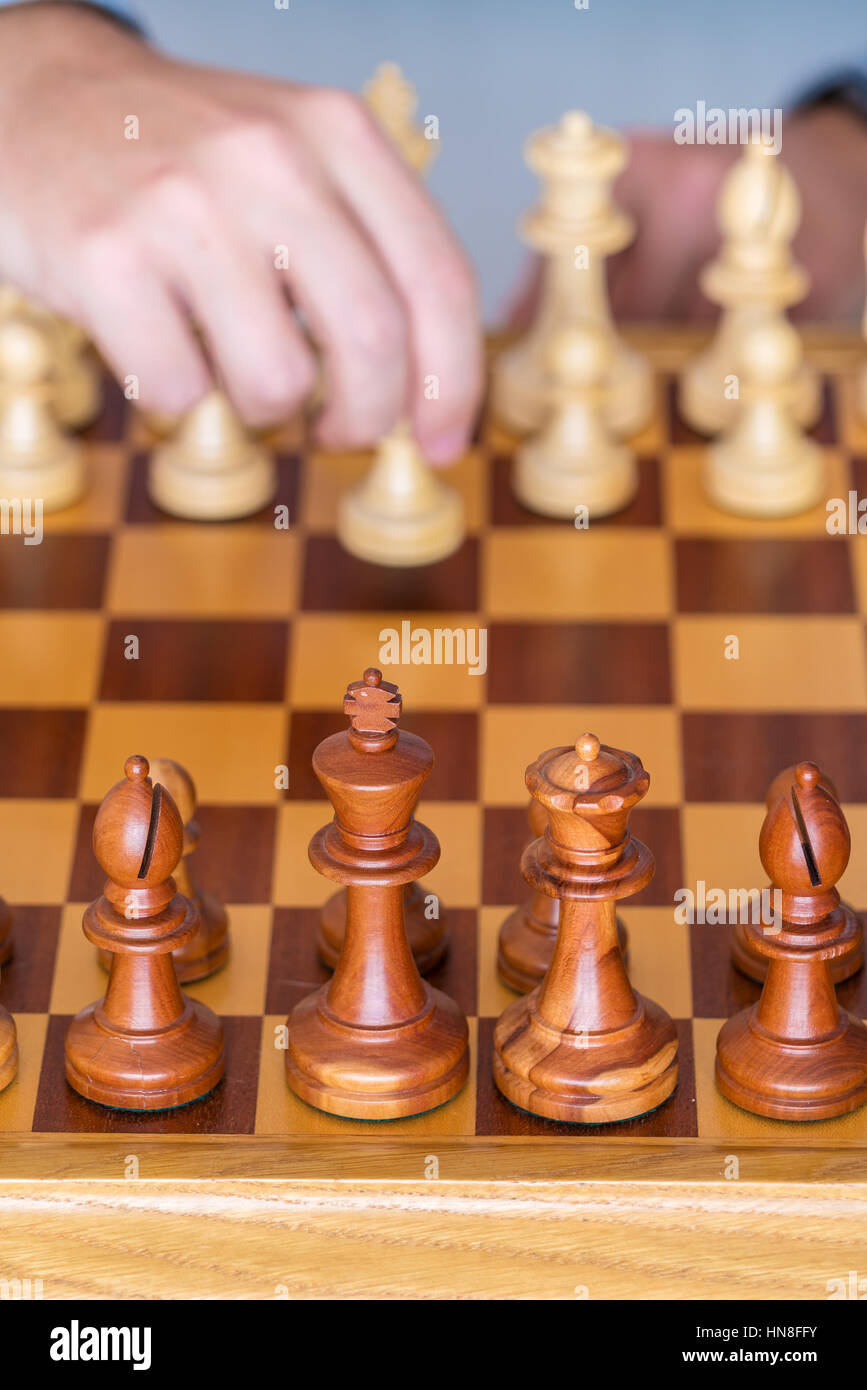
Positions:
(144, 240)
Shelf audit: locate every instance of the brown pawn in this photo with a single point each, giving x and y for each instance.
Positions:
(145, 1046)
(377, 1042)
(526, 941)
(795, 1055)
(208, 951)
(5, 932)
(746, 959)
(428, 937)
(583, 1046)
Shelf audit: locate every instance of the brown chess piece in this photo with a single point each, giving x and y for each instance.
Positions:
(376, 1042)
(795, 1055)
(755, 966)
(145, 1046)
(8, 1048)
(5, 932)
(526, 940)
(207, 951)
(583, 1046)
(428, 937)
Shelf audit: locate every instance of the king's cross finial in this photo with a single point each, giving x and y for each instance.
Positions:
(372, 704)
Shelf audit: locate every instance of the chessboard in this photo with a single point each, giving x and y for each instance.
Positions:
(245, 638)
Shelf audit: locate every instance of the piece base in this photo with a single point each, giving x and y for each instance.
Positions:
(58, 484)
(401, 541)
(746, 1057)
(736, 486)
(210, 496)
(8, 1049)
(562, 1076)
(161, 1072)
(377, 1074)
(556, 492)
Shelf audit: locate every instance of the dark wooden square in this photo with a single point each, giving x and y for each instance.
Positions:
(579, 663)
(66, 571)
(294, 969)
(229, 1109)
(335, 581)
(25, 983)
(40, 751)
(196, 660)
(718, 990)
(763, 576)
(733, 756)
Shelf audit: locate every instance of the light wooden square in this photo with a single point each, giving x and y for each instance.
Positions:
(532, 572)
(204, 571)
(785, 663)
(330, 650)
(50, 659)
(513, 736)
(230, 750)
(37, 840)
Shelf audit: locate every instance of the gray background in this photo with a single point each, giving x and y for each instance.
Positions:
(493, 71)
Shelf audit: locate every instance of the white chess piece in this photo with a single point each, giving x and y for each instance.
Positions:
(754, 277)
(77, 391)
(211, 469)
(576, 226)
(764, 465)
(401, 514)
(575, 460)
(37, 459)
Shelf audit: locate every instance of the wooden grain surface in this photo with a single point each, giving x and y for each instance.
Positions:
(261, 1240)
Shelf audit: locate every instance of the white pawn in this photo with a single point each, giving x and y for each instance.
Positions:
(77, 389)
(211, 469)
(764, 465)
(8, 1048)
(753, 277)
(37, 459)
(401, 514)
(576, 461)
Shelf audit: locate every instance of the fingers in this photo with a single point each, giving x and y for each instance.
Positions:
(337, 280)
(235, 297)
(142, 333)
(422, 257)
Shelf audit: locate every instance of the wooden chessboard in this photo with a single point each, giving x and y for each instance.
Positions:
(247, 637)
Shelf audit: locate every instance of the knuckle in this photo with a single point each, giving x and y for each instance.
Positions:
(177, 193)
(258, 141)
(103, 251)
(341, 111)
(377, 331)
